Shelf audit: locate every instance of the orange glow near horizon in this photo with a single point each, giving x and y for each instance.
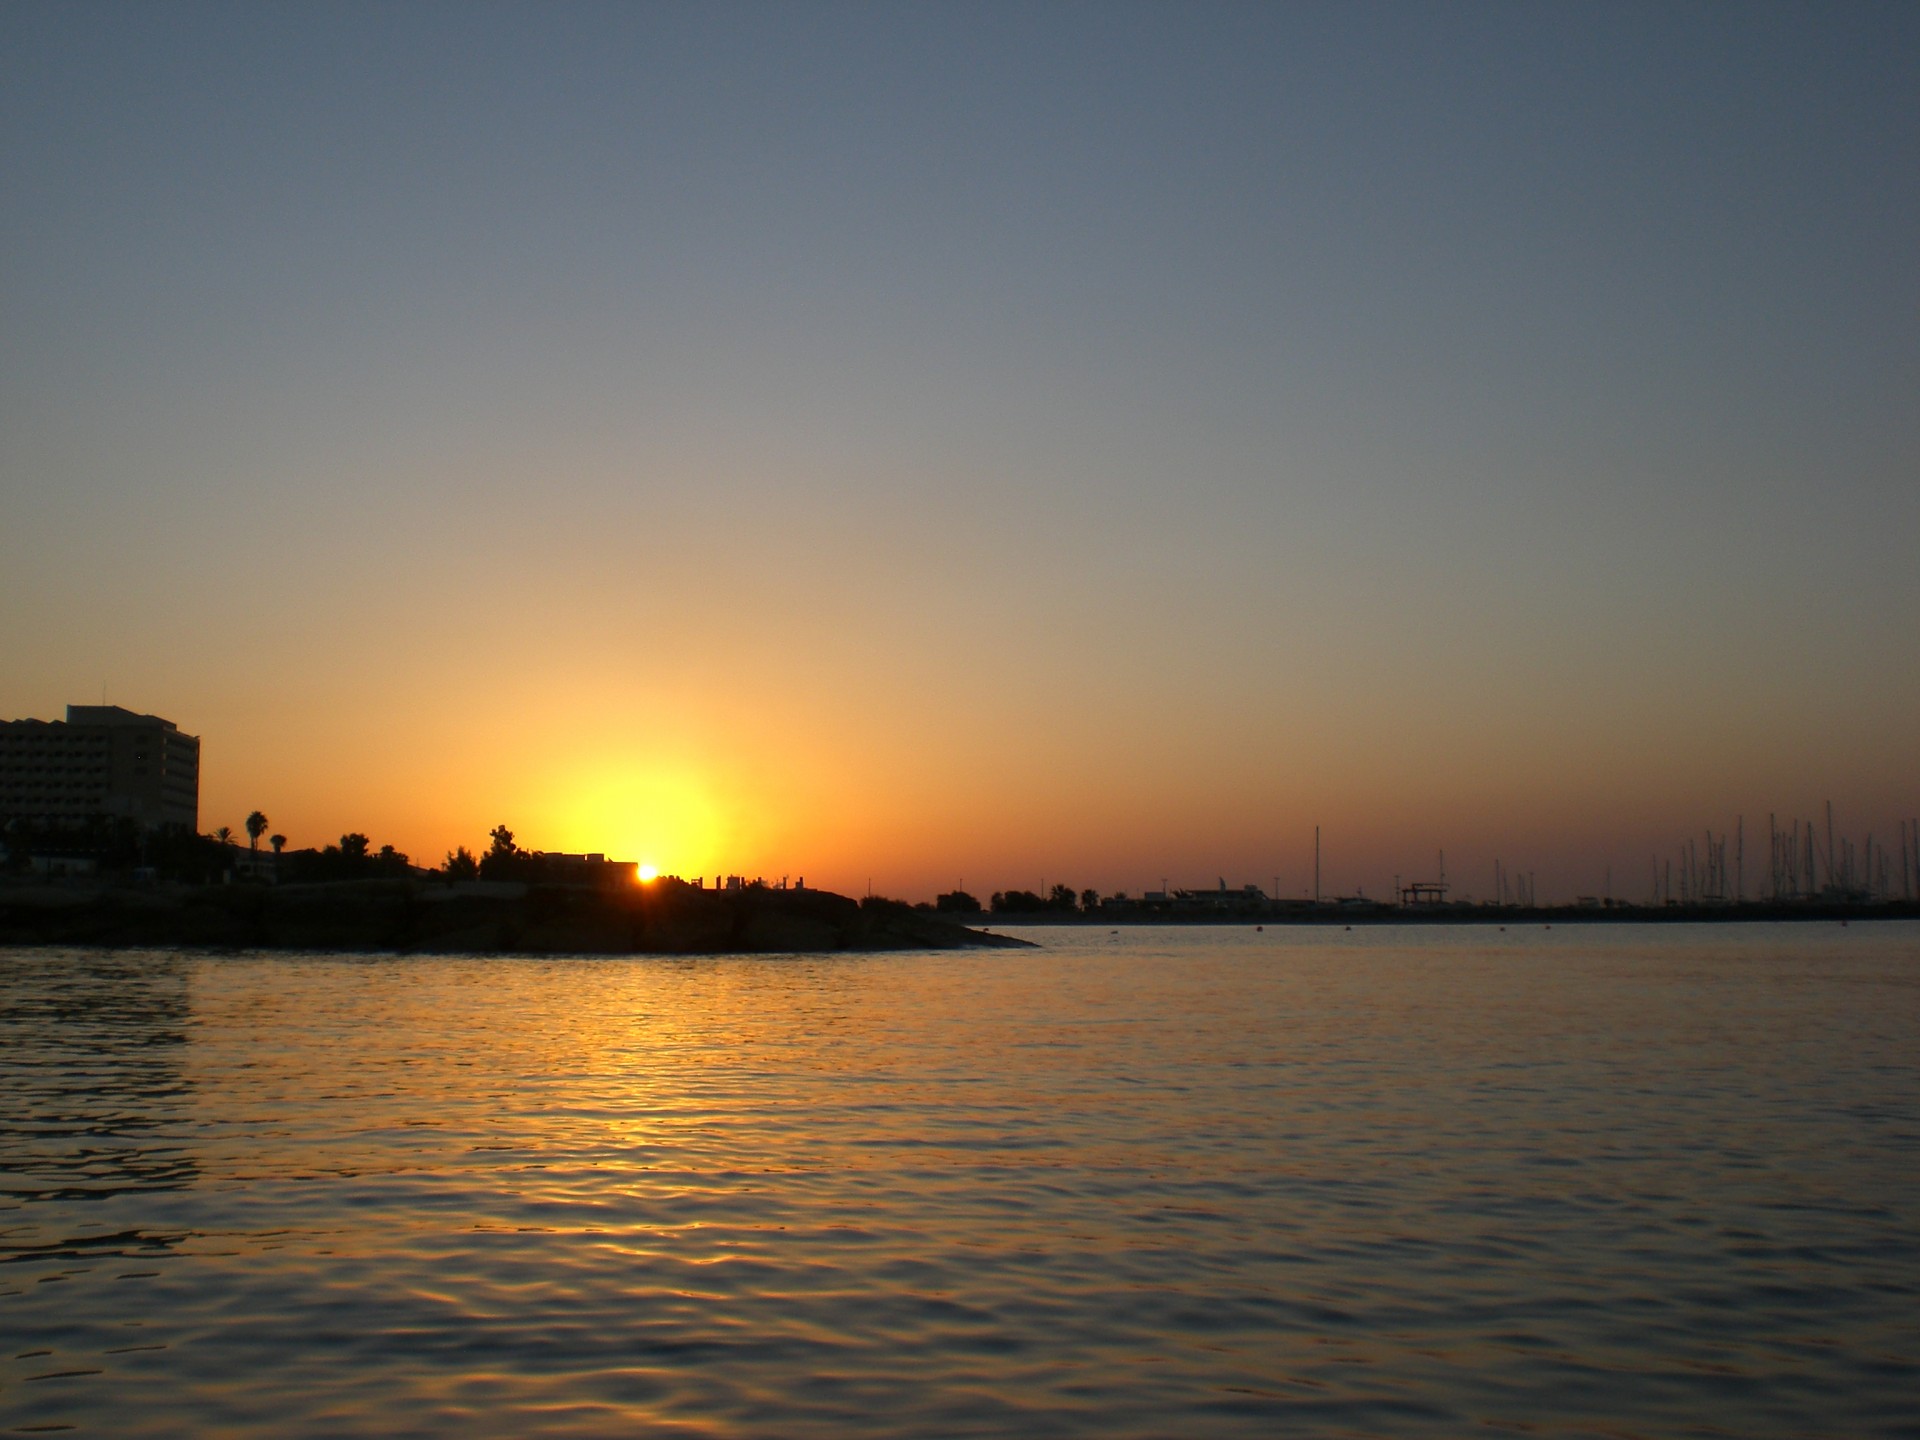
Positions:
(665, 819)
(1007, 784)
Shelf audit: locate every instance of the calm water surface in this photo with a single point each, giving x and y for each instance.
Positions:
(1607, 1182)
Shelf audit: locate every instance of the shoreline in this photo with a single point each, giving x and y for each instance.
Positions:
(399, 917)
(1797, 912)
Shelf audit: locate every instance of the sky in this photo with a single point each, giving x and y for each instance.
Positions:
(920, 445)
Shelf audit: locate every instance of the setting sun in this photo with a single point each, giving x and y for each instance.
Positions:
(665, 819)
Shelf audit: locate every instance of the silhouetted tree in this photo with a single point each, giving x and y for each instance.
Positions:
(224, 834)
(278, 842)
(1089, 900)
(256, 827)
(1061, 898)
(504, 860)
(461, 865)
(354, 845)
(957, 901)
(1014, 902)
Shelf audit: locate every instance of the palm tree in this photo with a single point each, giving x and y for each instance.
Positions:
(224, 834)
(256, 827)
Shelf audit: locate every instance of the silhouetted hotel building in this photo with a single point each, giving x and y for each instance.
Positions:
(100, 762)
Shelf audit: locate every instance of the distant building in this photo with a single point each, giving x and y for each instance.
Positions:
(556, 867)
(1244, 900)
(1247, 897)
(101, 762)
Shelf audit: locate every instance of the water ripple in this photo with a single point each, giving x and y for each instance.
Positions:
(1175, 1185)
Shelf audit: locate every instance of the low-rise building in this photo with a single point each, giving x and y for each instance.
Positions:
(1247, 897)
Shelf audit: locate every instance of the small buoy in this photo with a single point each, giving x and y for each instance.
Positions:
(1259, 929)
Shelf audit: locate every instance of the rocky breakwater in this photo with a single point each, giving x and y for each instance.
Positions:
(664, 918)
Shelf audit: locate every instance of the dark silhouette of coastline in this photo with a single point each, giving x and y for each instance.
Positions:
(663, 917)
(111, 883)
(1349, 914)
(668, 917)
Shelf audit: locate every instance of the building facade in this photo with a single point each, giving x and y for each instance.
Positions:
(101, 762)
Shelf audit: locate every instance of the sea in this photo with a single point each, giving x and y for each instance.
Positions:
(1598, 1180)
